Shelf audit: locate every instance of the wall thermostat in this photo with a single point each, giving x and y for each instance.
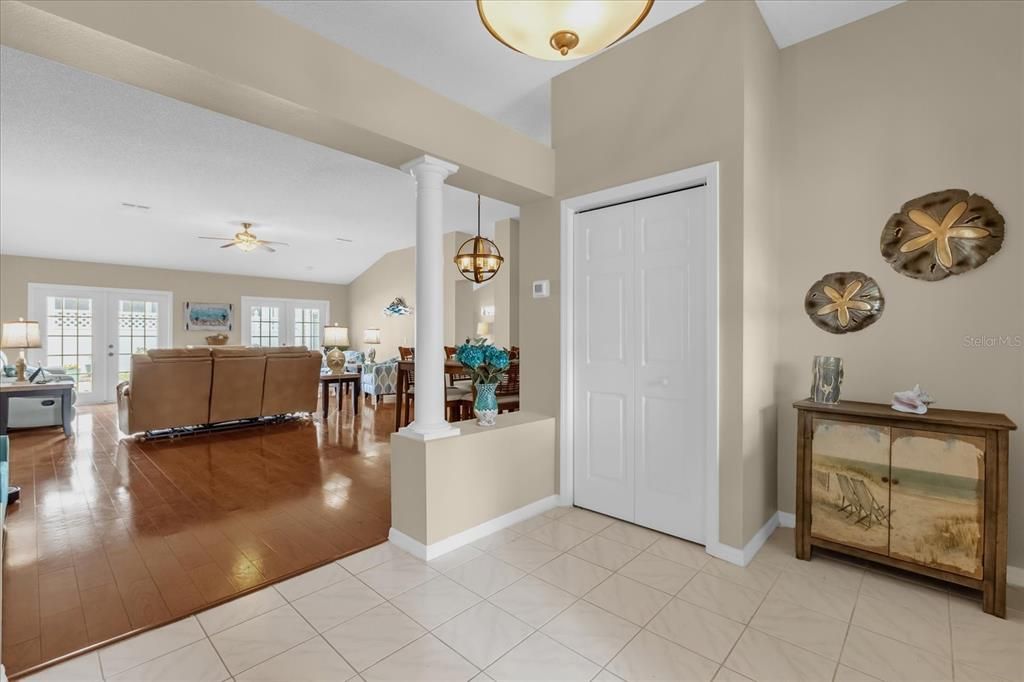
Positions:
(542, 288)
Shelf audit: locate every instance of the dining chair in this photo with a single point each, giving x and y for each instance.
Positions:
(507, 391)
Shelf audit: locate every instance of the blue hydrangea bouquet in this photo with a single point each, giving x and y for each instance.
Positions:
(487, 363)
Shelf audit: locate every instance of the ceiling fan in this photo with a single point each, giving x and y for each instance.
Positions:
(246, 241)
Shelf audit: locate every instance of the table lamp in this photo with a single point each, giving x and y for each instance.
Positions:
(336, 338)
(371, 337)
(22, 335)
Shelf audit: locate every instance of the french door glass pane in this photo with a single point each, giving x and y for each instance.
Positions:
(307, 327)
(137, 326)
(69, 330)
(265, 325)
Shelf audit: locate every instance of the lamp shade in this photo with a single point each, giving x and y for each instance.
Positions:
(20, 334)
(335, 335)
(561, 29)
(371, 336)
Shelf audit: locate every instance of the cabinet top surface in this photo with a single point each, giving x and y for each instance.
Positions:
(987, 420)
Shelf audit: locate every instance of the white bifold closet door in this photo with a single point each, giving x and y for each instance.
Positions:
(639, 362)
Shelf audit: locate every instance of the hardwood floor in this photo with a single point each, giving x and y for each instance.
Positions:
(112, 535)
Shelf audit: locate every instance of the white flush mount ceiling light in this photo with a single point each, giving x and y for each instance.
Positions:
(561, 29)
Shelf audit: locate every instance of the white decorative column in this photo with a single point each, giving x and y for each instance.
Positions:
(430, 422)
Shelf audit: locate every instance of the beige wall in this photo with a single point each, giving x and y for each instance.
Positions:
(669, 99)
(761, 78)
(867, 128)
(449, 485)
(17, 271)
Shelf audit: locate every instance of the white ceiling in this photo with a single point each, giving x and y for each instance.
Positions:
(793, 21)
(74, 146)
(442, 45)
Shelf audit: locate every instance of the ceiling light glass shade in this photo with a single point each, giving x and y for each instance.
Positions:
(478, 259)
(20, 334)
(560, 30)
(335, 336)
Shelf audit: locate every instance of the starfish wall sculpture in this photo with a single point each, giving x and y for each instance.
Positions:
(942, 234)
(843, 302)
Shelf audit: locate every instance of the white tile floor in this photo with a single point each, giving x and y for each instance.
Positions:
(573, 595)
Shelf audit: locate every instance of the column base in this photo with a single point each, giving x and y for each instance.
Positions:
(429, 431)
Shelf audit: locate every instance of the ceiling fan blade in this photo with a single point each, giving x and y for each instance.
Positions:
(263, 245)
(228, 246)
(263, 241)
(219, 239)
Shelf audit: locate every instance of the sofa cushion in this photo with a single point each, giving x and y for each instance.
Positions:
(176, 353)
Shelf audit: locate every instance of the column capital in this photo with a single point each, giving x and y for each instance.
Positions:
(429, 164)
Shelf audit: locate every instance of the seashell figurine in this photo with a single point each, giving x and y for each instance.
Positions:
(914, 401)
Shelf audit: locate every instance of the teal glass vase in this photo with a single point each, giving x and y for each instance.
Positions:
(486, 404)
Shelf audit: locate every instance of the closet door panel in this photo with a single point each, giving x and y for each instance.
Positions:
(604, 350)
(671, 295)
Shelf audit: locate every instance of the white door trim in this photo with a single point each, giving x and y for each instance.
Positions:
(705, 174)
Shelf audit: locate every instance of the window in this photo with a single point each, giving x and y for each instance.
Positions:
(138, 326)
(69, 332)
(265, 325)
(283, 322)
(308, 326)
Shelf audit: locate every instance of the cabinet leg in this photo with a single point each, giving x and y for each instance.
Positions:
(993, 599)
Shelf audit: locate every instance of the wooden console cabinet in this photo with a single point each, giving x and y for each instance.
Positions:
(925, 493)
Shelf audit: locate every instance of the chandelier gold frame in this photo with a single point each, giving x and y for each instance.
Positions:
(482, 259)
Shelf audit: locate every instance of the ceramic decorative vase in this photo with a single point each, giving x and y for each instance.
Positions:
(827, 377)
(486, 404)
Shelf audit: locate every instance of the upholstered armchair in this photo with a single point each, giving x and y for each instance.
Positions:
(380, 379)
(354, 360)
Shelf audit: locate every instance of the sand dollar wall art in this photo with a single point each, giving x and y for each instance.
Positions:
(842, 302)
(942, 234)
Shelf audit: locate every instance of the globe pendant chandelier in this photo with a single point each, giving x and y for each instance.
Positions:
(560, 30)
(478, 259)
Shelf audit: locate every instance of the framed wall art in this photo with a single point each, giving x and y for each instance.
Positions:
(208, 317)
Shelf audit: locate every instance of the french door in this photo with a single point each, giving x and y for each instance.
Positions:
(640, 413)
(283, 322)
(92, 332)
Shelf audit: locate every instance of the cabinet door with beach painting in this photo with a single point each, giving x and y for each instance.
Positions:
(938, 497)
(850, 484)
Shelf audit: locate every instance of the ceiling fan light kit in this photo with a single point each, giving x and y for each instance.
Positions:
(246, 241)
(559, 30)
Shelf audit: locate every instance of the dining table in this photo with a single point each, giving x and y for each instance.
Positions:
(452, 367)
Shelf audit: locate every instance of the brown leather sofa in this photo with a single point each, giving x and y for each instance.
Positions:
(197, 386)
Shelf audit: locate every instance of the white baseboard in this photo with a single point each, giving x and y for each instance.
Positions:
(787, 520)
(436, 549)
(1015, 575)
(742, 557)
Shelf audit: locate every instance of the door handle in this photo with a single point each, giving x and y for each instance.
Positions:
(110, 355)
(885, 479)
(895, 481)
